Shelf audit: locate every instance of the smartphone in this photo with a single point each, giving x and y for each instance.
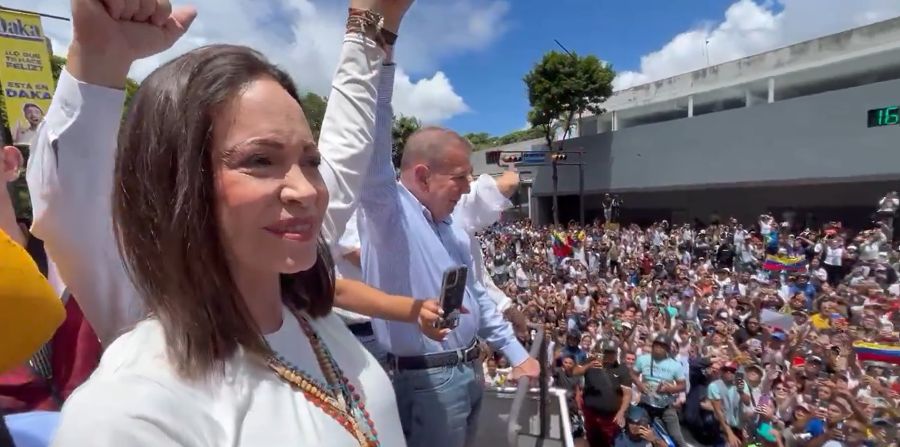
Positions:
(453, 290)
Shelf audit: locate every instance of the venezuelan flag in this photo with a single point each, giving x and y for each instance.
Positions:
(561, 246)
(876, 352)
(790, 263)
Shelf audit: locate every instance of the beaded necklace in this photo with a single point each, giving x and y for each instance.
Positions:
(337, 398)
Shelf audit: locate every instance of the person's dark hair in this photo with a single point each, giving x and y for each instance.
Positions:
(165, 216)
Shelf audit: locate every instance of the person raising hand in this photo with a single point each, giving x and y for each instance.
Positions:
(203, 236)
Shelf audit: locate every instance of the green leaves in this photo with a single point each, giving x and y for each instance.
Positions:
(404, 126)
(314, 108)
(483, 140)
(562, 86)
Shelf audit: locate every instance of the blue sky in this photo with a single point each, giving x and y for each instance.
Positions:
(461, 62)
(619, 32)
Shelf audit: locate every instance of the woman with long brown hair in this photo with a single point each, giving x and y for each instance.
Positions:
(219, 223)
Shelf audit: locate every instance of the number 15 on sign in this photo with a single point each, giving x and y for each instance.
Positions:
(885, 116)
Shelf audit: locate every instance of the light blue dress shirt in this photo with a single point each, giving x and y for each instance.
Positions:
(405, 252)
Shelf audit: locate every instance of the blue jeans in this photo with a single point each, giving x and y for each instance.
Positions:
(439, 406)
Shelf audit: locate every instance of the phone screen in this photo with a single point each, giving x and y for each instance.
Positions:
(453, 291)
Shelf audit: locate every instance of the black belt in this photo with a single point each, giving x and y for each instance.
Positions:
(361, 329)
(437, 360)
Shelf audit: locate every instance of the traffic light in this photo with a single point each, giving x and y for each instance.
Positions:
(558, 156)
(512, 158)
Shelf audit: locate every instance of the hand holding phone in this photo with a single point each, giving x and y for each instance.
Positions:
(453, 290)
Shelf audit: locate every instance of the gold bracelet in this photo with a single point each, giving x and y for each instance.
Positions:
(366, 22)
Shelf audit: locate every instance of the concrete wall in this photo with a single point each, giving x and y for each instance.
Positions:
(852, 203)
(808, 140)
(875, 38)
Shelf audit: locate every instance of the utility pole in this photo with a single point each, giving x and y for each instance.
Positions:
(581, 187)
(555, 170)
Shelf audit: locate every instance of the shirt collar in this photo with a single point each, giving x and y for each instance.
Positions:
(426, 212)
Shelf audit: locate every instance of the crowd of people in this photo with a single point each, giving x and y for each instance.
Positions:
(226, 279)
(723, 334)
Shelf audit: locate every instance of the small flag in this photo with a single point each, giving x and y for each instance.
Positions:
(778, 263)
(877, 352)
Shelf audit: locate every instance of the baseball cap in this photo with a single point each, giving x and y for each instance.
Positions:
(664, 340)
(638, 415)
(733, 366)
(609, 346)
(778, 335)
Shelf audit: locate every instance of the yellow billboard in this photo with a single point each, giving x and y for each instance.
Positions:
(25, 74)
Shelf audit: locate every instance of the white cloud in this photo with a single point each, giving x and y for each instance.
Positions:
(303, 36)
(433, 98)
(750, 27)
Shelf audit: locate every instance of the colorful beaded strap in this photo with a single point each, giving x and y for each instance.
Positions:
(338, 398)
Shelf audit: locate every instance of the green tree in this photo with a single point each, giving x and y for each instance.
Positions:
(314, 109)
(562, 87)
(403, 127)
(519, 135)
(481, 140)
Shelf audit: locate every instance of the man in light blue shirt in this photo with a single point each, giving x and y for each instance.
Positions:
(661, 380)
(409, 240)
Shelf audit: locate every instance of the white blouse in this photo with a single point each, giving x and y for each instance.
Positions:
(134, 398)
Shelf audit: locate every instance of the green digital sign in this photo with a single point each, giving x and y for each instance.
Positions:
(885, 116)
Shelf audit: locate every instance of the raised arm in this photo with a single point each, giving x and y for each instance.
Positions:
(379, 191)
(488, 198)
(349, 127)
(70, 171)
(347, 134)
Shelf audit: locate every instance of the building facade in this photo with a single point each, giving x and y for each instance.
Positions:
(786, 132)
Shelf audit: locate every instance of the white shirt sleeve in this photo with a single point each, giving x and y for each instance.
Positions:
(349, 242)
(347, 139)
(499, 298)
(481, 207)
(70, 178)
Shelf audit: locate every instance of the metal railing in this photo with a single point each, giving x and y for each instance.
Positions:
(538, 351)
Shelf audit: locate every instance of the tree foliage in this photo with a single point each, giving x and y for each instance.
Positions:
(562, 87)
(483, 140)
(314, 109)
(403, 127)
